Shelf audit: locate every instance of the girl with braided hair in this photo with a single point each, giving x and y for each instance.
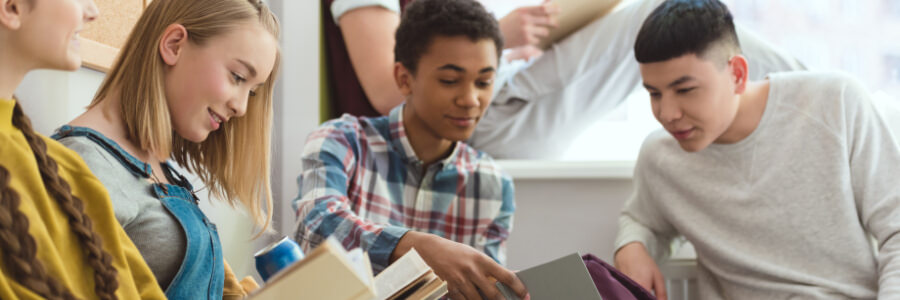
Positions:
(59, 238)
(192, 84)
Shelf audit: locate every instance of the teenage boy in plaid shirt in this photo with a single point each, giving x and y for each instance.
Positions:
(403, 181)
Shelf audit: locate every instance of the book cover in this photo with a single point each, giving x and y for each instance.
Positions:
(328, 272)
(564, 278)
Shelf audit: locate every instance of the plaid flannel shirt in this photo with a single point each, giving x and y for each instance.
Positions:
(363, 184)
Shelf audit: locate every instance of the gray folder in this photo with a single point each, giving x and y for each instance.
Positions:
(563, 278)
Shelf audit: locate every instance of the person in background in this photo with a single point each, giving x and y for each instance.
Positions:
(359, 36)
(778, 183)
(540, 106)
(193, 84)
(59, 238)
(407, 180)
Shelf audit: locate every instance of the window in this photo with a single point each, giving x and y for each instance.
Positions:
(861, 38)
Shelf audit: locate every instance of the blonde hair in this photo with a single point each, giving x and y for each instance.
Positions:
(233, 162)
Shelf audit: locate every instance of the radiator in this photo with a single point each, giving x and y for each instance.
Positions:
(681, 279)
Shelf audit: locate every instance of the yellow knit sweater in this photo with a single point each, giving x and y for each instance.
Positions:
(58, 249)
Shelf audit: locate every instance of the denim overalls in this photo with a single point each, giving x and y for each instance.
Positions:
(202, 273)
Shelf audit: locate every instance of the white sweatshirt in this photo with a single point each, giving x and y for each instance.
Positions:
(787, 212)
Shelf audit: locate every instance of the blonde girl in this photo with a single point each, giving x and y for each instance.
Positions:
(192, 84)
(58, 235)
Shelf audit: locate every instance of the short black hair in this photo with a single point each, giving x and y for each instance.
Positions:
(425, 19)
(681, 27)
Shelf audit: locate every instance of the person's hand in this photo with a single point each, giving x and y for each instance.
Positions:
(465, 269)
(634, 260)
(526, 25)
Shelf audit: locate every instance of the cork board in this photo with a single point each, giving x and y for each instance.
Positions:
(101, 39)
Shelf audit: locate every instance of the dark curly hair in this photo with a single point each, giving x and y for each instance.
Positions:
(680, 27)
(424, 19)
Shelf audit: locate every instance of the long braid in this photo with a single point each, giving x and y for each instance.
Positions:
(19, 247)
(105, 275)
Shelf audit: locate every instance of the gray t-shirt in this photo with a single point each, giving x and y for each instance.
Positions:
(787, 212)
(156, 233)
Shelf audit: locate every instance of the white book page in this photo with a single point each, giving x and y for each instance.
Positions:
(400, 274)
(358, 261)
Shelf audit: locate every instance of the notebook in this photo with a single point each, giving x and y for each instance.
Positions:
(563, 278)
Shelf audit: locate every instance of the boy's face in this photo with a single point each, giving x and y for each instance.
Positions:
(694, 99)
(452, 86)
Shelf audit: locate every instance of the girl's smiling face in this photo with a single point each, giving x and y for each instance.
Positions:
(208, 84)
(47, 31)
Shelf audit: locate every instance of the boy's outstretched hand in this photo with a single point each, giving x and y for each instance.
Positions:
(524, 27)
(634, 260)
(465, 269)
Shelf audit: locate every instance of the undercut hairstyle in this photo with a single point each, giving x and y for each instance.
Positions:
(680, 27)
(423, 20)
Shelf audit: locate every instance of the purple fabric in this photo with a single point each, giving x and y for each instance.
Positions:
(611, 283)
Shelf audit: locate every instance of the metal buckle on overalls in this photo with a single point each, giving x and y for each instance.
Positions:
(186, 184)
(65, 130)
(194, 194)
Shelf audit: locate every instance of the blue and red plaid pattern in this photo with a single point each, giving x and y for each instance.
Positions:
(363, 184)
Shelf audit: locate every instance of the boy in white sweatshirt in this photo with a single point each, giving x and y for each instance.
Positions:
(778, 183)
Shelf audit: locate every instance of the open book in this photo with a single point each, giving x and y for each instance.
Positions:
(409, 278)
(330, 272)
(575, 14)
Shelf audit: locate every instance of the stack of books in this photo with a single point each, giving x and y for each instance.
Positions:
(330, 272)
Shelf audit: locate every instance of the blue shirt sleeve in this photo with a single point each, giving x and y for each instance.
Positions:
(498, 231)
(323, 206)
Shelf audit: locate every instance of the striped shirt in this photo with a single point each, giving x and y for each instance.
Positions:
(363, 184)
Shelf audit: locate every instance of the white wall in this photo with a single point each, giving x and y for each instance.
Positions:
(564, 207)
(296, 101)
(52, 98)
(555, 217)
